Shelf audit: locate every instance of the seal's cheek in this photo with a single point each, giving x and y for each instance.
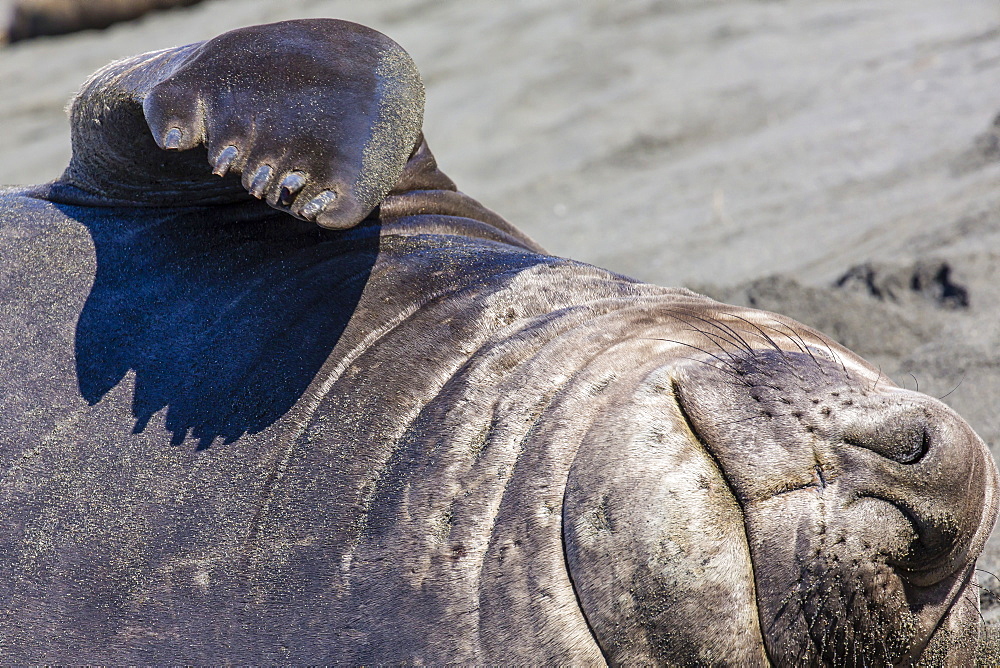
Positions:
(825, 586)
(655, 542)
(828, 590)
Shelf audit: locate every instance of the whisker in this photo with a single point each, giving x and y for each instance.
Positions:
(718, 324)
(709, 365)
(763, 334)
(838, 358)
(726, 364)
(786, 335)
(955, 388)
(809, 352)
(990, 573)
(974, 603)
(801, 344)
(711, 336)
(714, 338)
(804, 347)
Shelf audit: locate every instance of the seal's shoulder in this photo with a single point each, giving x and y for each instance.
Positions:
(25, 212)
(42, 245)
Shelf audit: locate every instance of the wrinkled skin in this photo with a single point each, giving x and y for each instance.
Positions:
(37, 18)
(326, 408)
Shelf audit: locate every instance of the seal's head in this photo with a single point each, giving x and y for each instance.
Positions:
(797, 507)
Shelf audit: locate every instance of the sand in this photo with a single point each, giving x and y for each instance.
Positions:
(759, 151)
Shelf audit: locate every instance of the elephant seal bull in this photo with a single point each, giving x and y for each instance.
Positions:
(407, 434)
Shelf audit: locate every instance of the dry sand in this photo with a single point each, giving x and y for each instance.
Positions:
(754, 150)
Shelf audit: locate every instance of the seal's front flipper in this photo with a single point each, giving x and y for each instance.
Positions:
(317, 116)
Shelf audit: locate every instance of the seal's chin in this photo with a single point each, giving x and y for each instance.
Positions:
(864, 507)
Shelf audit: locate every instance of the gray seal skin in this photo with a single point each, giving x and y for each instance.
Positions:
(407, 434)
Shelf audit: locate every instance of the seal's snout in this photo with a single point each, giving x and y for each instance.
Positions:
(916, 454)
(865, 505)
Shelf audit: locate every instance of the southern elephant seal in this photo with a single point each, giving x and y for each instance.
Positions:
(408, 434)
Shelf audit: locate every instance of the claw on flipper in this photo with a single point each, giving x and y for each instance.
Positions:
(225, 160)
(260, 180)
(172, 141)
(290, 187)
(317, 204)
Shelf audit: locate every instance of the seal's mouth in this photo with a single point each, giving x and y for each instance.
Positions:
(864, 511)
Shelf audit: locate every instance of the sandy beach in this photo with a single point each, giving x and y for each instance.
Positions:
(833, 160)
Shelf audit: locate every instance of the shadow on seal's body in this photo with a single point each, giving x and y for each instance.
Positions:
(407, 434)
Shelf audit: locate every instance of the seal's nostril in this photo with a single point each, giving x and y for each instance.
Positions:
(903, 438)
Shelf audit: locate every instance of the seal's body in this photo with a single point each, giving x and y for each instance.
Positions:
(410, 435)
